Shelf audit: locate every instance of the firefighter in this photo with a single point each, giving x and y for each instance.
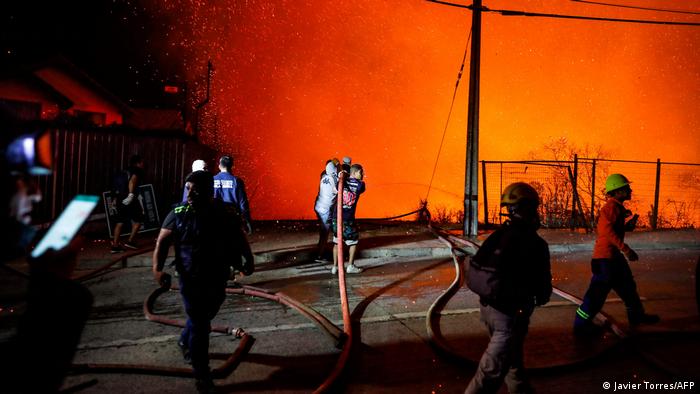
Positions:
(610, 269)
(515, 278)
(208, 239)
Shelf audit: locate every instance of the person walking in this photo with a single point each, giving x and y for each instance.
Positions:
(231, 189)
(208, 239)
(126, 201)
(197, 165)
(511, 274)
(611, 271)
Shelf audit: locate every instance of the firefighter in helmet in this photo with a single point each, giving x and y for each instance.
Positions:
(516, 278)
(610, 268)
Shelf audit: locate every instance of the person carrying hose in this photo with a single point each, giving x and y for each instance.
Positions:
(611, 270)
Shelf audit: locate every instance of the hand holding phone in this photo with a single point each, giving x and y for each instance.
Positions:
(67, 225)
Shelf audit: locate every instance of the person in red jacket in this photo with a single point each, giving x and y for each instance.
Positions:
(609, 266)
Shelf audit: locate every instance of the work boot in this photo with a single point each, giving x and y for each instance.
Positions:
(353, 269)
(643, 318)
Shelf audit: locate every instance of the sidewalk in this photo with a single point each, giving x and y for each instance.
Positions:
(296, 242)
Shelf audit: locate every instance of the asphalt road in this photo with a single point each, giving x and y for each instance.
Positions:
(389, 303)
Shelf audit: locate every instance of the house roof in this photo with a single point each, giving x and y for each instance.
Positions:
(66, 66)
(155, 119)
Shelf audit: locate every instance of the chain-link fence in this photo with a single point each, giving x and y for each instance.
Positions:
(665, 195)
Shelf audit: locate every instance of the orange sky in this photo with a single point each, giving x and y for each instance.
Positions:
(298, 82)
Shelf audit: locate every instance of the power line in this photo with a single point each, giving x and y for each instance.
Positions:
(450, 4)
(560, 16)
(590, 18)
(449, 114)
(636, 7)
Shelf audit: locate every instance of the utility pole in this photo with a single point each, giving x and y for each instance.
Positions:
(201, 104)
(471, 187)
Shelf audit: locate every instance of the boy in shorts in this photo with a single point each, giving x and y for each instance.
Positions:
(353, 187)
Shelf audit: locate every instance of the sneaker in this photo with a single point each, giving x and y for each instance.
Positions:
(130, 245)
(334, 270)
(185, 352)
(116, 249)
(353, 269)
(644, 319)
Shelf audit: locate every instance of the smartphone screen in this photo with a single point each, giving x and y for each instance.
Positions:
(67, 225)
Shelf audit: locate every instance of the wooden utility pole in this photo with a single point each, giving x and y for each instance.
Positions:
(471, 187)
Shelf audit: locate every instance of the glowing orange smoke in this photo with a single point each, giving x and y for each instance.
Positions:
(296, 84)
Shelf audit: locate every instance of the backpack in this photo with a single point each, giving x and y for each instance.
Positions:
(486, 276)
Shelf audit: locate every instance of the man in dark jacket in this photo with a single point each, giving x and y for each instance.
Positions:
(231, 189)
(208, 239)
(516, 278)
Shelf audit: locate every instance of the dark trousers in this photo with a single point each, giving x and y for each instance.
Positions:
(503, 358)
(202, 300)
(609, 274)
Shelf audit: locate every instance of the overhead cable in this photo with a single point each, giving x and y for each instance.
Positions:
(561, 16)
(449, 113)
(636, 7)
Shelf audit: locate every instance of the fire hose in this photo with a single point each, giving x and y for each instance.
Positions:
(347, 325)
(443, 348)
(235, 358)
(342, 338)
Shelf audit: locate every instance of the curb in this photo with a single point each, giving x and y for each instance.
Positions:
(307, 254)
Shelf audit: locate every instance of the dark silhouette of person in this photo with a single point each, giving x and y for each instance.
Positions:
(39, 356)
(208, 239)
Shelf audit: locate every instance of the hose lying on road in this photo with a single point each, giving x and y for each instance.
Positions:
(435, 337)
(443, 348)
(243, 348)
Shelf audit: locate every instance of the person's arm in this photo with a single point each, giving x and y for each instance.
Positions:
(133, 184)
(544, 290)
(243, 206)
(606, 221)
(160, 253)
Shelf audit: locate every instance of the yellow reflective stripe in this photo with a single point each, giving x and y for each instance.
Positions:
(583, 314)
(182, 208)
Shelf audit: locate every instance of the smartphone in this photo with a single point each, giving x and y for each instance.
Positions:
(67, 225)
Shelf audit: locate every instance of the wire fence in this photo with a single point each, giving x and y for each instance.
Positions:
(665, 194)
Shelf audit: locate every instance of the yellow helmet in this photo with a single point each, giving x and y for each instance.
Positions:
(518, 192)
(615, 181)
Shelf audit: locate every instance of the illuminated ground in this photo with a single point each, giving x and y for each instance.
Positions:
(390, 300)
